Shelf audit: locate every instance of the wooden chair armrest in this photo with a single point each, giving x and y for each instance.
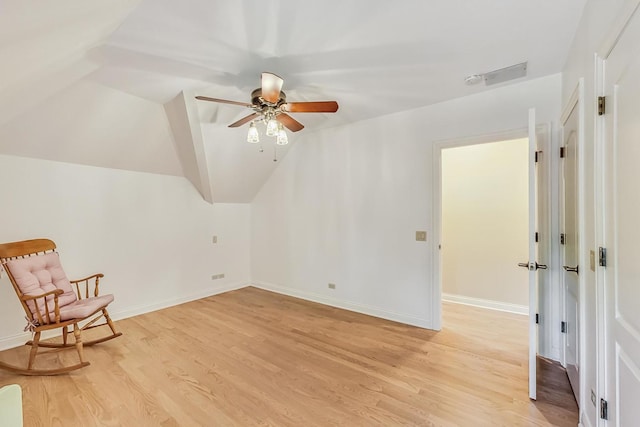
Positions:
(38, 317)
(97, 275)
(96, 289)
(55, 292)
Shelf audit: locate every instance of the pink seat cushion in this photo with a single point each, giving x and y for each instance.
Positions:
(38, 274)
(84, 307)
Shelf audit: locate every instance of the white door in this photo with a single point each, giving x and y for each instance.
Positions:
(532, 264)
(569, 241)
(622, 228)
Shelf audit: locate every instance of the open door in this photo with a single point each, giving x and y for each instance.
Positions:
(620, 255)
(532, 264)
(569, 241)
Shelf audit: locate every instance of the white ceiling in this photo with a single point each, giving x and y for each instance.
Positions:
(93, 75)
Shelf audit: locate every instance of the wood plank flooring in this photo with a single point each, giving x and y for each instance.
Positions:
(255, 358)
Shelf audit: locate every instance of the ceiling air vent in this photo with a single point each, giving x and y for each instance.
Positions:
(505, 74)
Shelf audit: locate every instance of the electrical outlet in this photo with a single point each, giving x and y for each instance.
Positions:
(332, 285)
(215, 239)
(217, 276)
(593, 398)
(421, 236)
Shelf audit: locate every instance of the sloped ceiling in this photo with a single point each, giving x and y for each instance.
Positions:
(86, 81)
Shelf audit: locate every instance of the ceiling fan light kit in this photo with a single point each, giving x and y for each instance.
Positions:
(270, 107)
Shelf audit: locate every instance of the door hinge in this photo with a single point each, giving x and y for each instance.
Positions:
(562, 152)
(537, 156)
(602, 105)
(537, 318)
(562, 238)
(604, 409)
(563, 327)
(537, 237)
(602, 257)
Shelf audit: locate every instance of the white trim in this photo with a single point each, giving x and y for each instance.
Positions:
(345, 305)
(436, 242)
(533, 255)
(436, 225)
(599, 168)
(617, 28)
(19, 339)
(573, 101)
(485, 303)
(148, 308)
(584, 420)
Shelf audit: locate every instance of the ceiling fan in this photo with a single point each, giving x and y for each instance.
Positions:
(269, 104)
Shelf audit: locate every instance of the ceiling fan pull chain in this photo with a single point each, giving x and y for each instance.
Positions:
(275, 152)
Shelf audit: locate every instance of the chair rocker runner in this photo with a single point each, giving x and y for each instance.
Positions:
(50, 301)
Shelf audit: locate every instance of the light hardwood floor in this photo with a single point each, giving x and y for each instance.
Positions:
(251, 357)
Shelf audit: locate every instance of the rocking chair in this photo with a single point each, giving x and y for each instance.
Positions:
(50, 301)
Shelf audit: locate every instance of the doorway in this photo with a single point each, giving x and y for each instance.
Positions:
(541, 291)
(485, 213)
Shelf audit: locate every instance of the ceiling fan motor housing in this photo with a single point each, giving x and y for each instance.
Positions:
(258, 101)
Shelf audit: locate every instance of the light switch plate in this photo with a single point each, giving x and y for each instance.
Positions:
(421, 236)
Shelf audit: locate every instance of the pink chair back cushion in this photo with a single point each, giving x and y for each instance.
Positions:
(38, 274)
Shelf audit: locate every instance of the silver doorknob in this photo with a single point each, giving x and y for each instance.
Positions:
(532, 266)
(570, 269)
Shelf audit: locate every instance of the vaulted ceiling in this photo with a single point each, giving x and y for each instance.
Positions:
(111, 83)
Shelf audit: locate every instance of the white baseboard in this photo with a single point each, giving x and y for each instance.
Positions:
(584, 420)
(485, 303)
(346, 305)
(159, 305)
(19, 339)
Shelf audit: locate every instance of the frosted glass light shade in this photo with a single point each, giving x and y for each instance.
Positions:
(252, 135)
(272, 127)
(282, 138)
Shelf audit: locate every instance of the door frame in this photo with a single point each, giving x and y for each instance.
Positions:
(576, 100)
(436, 226)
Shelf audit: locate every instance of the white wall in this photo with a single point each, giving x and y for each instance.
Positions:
(485, 228)
(151, 235)
(344, 205)
(594, 26)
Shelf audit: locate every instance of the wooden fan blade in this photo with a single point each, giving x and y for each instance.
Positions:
(244, 120)
(271, 86)
(311, 107)
(289, 122)
(223, 101)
